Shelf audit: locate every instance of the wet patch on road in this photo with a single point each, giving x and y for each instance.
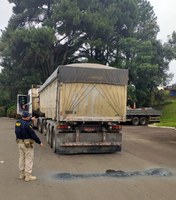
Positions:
(159, 172)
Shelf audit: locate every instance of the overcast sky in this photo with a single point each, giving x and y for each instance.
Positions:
(164, 10)
(5, 13)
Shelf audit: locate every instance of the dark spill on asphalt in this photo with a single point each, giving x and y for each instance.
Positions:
(158, 172)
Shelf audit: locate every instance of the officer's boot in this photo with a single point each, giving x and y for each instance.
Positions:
(22, 175)
(29, 177)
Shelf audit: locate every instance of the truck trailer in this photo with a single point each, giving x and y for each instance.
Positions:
(80, 107)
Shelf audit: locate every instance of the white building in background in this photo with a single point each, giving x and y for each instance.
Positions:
(160, 88)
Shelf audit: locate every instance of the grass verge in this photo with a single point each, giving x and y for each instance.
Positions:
(168, 117)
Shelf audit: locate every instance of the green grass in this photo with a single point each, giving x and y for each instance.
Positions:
(168, 117)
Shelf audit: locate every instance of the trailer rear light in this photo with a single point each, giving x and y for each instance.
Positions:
(115, 127)
(63, 126)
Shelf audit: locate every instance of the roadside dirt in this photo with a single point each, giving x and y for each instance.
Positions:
(144, 149)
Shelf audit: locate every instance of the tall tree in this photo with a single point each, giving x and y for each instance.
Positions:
(45, 33)
(27, 58)
(145, 57)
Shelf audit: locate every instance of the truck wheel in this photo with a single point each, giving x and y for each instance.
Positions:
(143, 121)
(52, 138)
(40, 127)
(48, 136)
(54, 143)
(135, 121)
(44, 128)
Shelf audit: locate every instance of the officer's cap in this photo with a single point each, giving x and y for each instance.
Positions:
(25, 114)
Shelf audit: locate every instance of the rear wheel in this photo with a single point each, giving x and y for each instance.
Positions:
(143, 121)
(54, 143)
(135, 121)
(40, 126)
(48, 135)
(44, 128)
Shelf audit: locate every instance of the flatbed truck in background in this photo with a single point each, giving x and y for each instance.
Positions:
(142, 116)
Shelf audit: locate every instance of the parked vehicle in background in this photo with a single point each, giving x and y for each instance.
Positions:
(142, 116)
(80, 107)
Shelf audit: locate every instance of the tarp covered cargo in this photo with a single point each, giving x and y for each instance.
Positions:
(88, 73)
(86, 92)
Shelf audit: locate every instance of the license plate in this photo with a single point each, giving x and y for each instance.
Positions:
(89, 129)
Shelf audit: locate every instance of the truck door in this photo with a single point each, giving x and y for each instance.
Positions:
(22, 103)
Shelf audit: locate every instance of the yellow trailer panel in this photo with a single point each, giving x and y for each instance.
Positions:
(92, 102)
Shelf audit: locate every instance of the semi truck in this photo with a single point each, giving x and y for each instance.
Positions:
(80, 108)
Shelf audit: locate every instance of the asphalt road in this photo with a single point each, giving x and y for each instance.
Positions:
(146, 151)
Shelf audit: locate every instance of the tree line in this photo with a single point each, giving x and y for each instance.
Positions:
(42, 34)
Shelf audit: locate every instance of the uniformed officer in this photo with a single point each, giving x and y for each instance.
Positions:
(25, 137)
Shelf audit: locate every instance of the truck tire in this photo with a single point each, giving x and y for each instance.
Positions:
(48, 135)
(143, 121)
(44, 128)
(135, 121)
(54, 143)
(52, 135)
(40, 126)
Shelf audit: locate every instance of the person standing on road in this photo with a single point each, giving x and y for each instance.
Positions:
(25, 137)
